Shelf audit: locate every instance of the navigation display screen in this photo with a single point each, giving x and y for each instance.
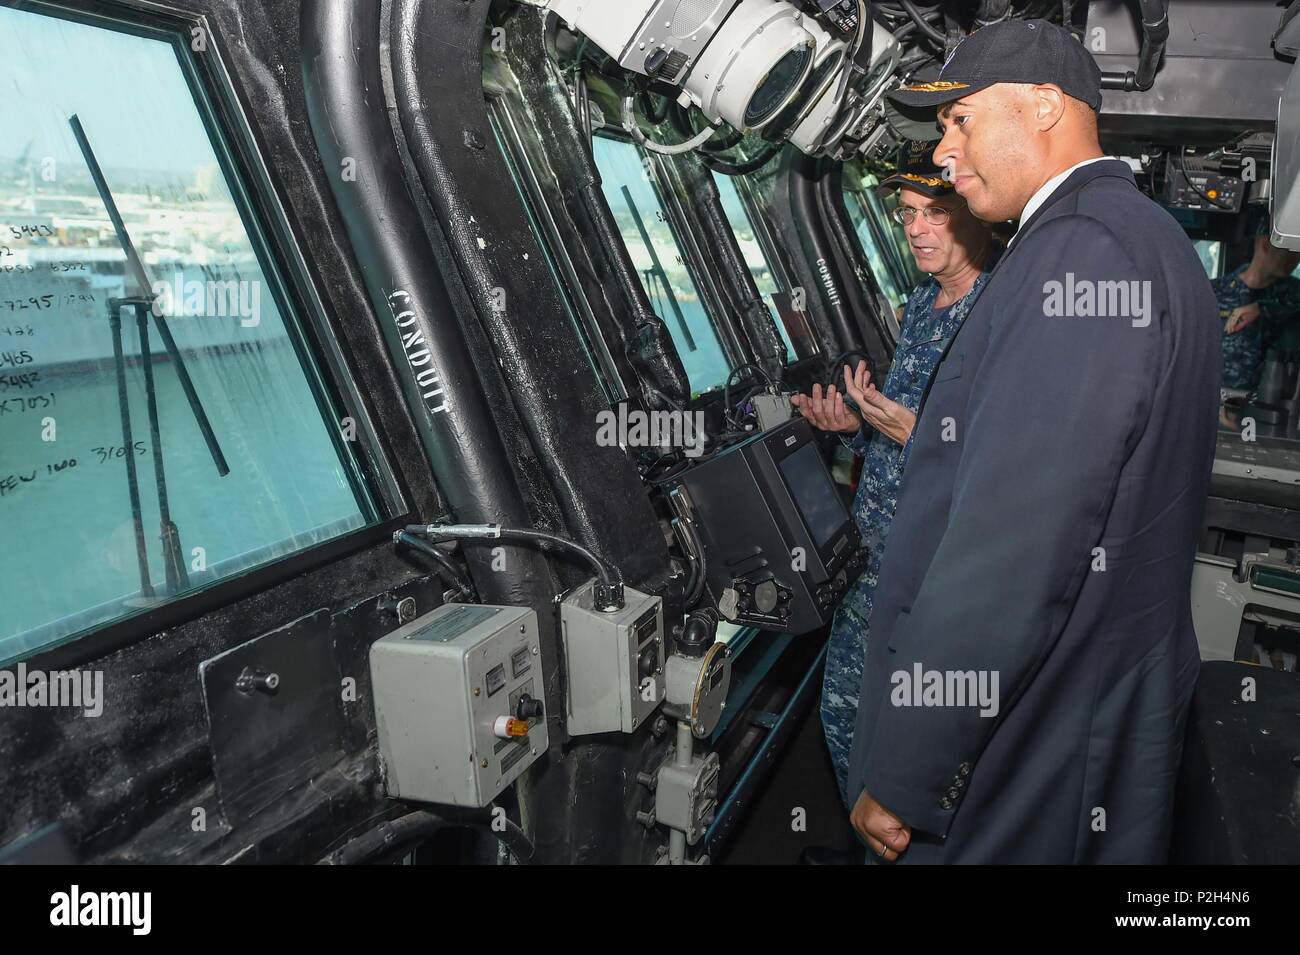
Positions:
(814, 493)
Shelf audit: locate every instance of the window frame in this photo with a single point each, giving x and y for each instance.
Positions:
(307, 323)
(728, 340)
(891, 256)
(505, 126)
(778, 260)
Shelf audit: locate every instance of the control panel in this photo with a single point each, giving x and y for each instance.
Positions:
(780, 548)
(1193, 185)
(614, 661)
(458, 703)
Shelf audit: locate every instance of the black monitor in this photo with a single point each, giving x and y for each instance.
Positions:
(780, 547)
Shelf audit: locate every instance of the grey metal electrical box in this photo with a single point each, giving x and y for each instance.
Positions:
(772, 410)
(444, 685)
(614, 661)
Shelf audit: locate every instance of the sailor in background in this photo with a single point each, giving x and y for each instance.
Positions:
(956, 249)
(1257, 302)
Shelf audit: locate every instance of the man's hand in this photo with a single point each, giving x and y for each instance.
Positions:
(885, 415)
(880, 827)
(1241, 317)
(829, 413)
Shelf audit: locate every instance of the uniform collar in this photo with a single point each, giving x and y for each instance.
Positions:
(1047, 189)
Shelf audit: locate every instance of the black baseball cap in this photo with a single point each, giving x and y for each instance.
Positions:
(1011, 51)
(916, 170)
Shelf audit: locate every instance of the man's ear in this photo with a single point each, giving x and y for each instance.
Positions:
(1049, 104)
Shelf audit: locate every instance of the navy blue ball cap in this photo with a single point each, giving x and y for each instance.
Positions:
(1011, 51)
(916, 170)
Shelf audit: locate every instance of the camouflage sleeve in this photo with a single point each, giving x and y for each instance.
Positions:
(1281, 299)
(859, 442)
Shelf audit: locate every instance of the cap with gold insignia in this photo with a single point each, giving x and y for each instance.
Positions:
(916, 170)
(1012, 51)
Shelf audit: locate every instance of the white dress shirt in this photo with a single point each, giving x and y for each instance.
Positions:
(1045, 192)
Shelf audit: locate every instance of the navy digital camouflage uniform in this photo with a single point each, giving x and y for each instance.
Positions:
(924, 333)
(1243, 352)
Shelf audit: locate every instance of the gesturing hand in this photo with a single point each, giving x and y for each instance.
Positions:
(884, 414)
(886, 834)
(829, 412)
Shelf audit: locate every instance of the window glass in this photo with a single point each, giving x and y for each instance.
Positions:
(743, 227)
(1211, 254)
(659, 261)
(552, 248)
(882, 239)
(87, 540)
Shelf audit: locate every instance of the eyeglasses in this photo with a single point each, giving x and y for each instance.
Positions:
(935, 215)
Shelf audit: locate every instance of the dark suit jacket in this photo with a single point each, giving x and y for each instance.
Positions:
(1044, 437)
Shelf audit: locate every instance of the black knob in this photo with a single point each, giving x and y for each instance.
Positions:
(655, 60)
(528, 708)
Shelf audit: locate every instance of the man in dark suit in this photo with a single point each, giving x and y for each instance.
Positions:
(1032, 657)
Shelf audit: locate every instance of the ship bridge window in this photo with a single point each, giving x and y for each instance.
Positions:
(883, 242)
(658, 258)
(1211, 253)
(162, 427)
(761, 266)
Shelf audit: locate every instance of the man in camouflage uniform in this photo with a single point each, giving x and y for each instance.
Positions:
(1256, 302)
(957, 250)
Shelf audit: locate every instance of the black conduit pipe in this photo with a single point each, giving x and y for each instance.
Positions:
(407, 832)
(865, 295)
(1155, 34)
(450, 572)
(346, 108)
(610, 586)
(934, 33)
(805, 209)
(615, 288)
(993, 11)
(735, 281)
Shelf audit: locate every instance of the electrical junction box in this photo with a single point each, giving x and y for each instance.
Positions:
(614, 661)
(772, 410)
(458, 702)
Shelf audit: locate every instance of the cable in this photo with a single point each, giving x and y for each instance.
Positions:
(989, 15)
(889, 10)
(674, 472)
(634, 130)
(458, 578)
(651, 114)
(609, 589)
(730, 141)
(726, 388)
(750, 166)
(853, 53)
(405, 832)
(699, 572)
(745, 168)
(904, 31)
(925, 27)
